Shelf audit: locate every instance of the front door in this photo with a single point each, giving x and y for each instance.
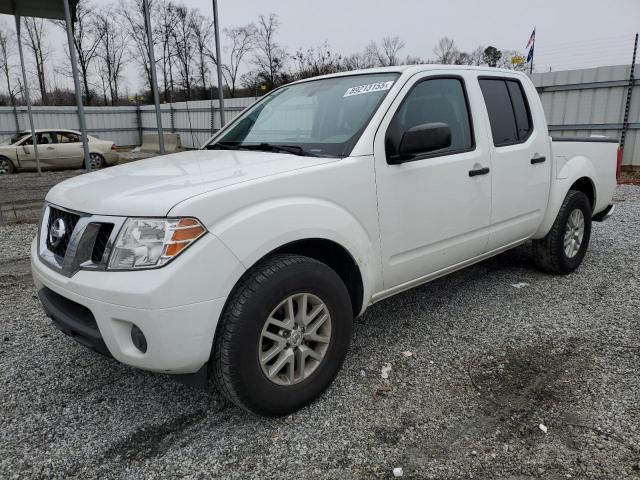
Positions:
(46, 151)
(434, 211)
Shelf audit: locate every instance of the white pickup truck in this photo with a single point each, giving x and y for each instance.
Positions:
(246, 262)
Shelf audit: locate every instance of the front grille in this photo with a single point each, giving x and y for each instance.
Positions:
(102, 238)
(70, 220)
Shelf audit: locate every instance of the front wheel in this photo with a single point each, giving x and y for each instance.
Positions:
(6, 166)
(565, 246)
(283, 335)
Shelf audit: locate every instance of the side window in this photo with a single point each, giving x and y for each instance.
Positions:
(508, 110)
(46, 138)
(520, 109)
(436, 100)
(65, 137)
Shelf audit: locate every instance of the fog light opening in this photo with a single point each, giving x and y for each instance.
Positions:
(138, 339)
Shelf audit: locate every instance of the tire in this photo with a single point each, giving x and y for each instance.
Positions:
(96, 161)
(6, 166)
(550, 253)
(244, 333)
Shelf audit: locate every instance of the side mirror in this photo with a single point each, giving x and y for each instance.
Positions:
(25, 149)
(423, 139)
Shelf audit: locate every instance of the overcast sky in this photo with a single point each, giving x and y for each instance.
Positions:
(570, 33)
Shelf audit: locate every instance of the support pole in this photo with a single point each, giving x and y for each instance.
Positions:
(216, 29)
(154, 80)
(627, 108)
(26, 95)
(76, 83)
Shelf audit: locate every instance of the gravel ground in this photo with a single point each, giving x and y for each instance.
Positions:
(492, 362)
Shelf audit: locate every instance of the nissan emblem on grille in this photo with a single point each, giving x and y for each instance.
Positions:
(57, 232)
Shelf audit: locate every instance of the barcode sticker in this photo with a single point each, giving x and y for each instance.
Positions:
(369, 88)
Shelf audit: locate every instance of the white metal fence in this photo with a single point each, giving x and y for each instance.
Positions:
(576, 102)
(592, 102)
(194, 121)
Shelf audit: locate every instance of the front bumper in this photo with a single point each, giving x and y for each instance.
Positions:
(176, 307)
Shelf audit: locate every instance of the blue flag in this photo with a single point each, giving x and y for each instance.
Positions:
(530, 55)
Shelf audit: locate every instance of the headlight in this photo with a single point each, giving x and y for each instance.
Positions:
(152, 242)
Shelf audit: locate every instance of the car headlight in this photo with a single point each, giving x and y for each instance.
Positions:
(152, 242)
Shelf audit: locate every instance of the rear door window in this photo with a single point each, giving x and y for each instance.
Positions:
(508, 111)
(520, 109)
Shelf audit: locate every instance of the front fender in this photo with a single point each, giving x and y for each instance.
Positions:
(567, 172)
(256, 230)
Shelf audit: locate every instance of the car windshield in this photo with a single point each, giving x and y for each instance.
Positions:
(316, 118)
(12, 140)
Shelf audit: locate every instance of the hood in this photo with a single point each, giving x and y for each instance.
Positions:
(153, 186)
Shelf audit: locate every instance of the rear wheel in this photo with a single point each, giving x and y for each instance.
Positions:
(96, 161)
(283, 335)
(565, 246)
(6, 166)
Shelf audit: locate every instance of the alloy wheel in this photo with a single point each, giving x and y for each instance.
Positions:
(294, 339)
(574, 233)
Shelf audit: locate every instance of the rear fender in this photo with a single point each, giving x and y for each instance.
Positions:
(567, 172)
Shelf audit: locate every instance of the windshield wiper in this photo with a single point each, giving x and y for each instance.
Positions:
(225, 146)
(263, 147)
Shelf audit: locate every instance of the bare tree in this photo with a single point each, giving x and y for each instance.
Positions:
(183, 39)
(360, 60)
(389, 51)
(512, 60)
(270, 57)
(317, 61)
(85, 42)
(131, 16)
(446, 51)
(7, 42)
(166, 22)
(243, 39)
(111, 52)
(202, 29)
(36, 44)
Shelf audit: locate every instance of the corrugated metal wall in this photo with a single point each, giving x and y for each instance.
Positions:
(576, 102)
(592, 102)
(192, 120)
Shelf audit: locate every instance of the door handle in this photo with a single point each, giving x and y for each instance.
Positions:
(479, 171)
(50, 148)
(535, 160)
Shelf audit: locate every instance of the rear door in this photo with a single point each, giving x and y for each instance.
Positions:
(520, 159)
(70, 152)
(434, 210)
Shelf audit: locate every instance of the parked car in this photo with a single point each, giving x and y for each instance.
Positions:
(57, 149)
(247, 261)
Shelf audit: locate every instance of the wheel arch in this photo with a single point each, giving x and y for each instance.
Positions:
(326, 251)
(336, 257)
(577, 174)
(586, 186)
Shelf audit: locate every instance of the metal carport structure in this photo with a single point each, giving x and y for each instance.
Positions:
(65, 10)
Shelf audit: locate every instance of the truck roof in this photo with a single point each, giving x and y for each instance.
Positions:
(411, 69)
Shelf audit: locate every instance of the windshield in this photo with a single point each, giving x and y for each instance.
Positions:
(317, 118)
(12, 140)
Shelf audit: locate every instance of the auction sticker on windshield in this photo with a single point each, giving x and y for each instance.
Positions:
(369, 88)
